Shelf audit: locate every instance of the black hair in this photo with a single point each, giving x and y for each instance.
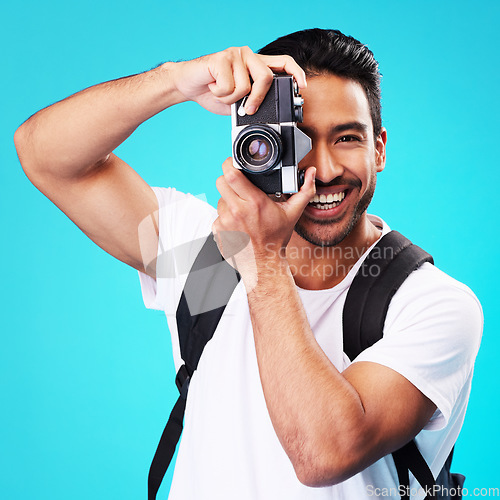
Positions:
(318, 51)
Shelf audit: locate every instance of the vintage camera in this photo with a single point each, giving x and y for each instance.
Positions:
(268, 146)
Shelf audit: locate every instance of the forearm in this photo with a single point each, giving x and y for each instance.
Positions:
(76, 134)
(305, 393)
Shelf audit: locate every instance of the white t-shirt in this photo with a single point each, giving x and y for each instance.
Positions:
(229, 449)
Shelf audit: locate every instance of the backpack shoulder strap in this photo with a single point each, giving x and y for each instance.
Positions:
(207, 291)
(385, 269)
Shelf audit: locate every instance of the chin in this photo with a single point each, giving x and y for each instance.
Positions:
(323, 234)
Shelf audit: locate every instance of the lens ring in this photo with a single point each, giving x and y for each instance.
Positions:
(258, 148)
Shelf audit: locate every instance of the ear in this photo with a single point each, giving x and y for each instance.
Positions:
(380, 144)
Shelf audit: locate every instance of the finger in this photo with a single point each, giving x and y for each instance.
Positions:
(295, 205)
(228, 196)
(221, 69)
(239, 184)
(221, 206)
(262, 78)
(242, 85)
(288, 65)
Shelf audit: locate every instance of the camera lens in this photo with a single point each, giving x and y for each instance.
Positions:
(258, 148)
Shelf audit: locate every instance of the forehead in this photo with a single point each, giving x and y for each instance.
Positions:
(330, 100)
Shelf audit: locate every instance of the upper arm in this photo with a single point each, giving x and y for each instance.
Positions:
(108, 204)
(395, 411)
(414, 376)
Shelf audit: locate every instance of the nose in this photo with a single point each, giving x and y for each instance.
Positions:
(321, 157)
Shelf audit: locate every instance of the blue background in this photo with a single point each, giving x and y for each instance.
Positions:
(86, 377)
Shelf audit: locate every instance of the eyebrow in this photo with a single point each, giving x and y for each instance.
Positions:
(341, 127)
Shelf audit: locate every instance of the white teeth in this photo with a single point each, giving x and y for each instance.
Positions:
(330, 198)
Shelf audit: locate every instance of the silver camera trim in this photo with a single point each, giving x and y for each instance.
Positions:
(303, 144)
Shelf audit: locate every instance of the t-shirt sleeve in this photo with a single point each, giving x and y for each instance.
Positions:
(183, 221)
(431, 336)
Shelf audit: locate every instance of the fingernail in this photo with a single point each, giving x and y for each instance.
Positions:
(251, 109)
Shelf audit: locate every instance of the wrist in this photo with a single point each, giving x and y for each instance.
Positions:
(269, 273)
(167, 75)
(271, 261)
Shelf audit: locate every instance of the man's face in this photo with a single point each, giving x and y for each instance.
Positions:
(345, 154)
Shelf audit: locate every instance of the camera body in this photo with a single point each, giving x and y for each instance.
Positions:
(268, 146)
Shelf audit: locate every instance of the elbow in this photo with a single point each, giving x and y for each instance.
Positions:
(326, 468)
(329, 460)
(25, 147)
(21, 142)
(316, 475)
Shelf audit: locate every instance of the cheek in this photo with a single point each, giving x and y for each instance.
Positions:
(358, 162)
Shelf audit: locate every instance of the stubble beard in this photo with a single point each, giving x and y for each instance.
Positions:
(314, 236)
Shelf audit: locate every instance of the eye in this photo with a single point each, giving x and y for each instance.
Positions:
(347, 138)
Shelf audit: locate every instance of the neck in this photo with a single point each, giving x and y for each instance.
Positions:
(318, 268)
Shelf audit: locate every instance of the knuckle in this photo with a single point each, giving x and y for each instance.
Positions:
(246, 88)
(223, 222)
(267, 76)
(219, 182)
(229, 52)
(237, 213)
(255, 204)
(225, 87)
(261, 201)
(224, 57)
(231, 176)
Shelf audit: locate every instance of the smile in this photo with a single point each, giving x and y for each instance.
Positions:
(327, 202)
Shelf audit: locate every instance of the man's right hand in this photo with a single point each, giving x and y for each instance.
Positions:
(66, 149)
(218, 80)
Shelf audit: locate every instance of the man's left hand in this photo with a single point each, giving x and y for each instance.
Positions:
(250, 218)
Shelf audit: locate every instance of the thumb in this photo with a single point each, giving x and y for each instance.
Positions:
(298, 201)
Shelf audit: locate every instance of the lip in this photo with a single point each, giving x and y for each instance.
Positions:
(331, 213)
(332, 189)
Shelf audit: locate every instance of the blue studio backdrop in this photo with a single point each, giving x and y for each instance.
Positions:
(86, 375)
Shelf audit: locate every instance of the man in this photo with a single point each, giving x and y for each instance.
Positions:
(275, 410)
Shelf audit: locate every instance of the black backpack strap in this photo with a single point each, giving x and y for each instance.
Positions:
(384, 270)
(207, 291)
(166, 447)
(389, 263)
(409, 459)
